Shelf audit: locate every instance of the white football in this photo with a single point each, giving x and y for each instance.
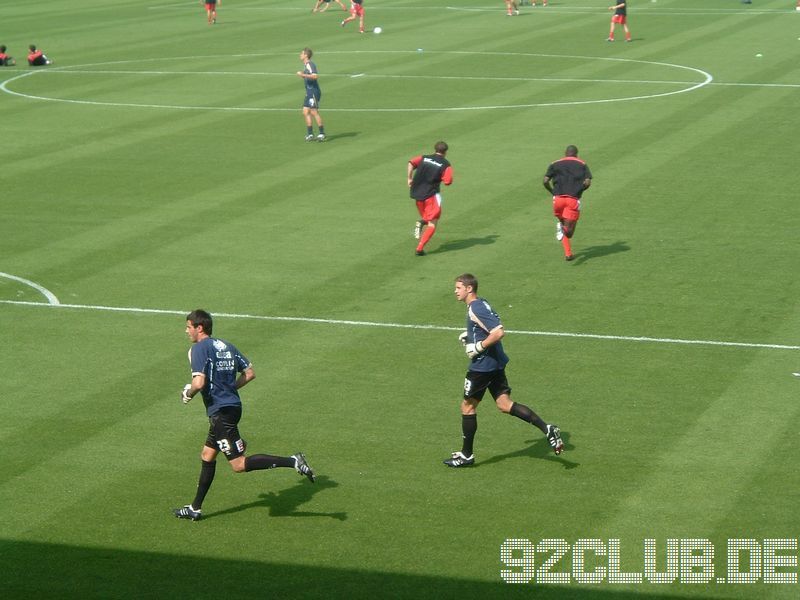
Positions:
(377, 30)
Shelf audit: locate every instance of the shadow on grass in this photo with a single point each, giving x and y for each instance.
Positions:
(44, 571)
(465, 243)
(336, 136)
(599, 251)
(285, 502)
(539, 448)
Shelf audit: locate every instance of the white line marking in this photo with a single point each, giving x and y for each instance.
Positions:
(357, 75)
(593, 336)
(51, 297)
(691, 86)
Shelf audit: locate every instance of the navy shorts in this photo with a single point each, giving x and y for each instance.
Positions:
(223, 432)
(312, 101)
(476, 383)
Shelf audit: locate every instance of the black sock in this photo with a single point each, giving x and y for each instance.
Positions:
(206, 478)
(257, 462)
(526, 414)
(469, 425)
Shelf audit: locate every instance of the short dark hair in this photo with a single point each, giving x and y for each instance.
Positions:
(469, 280)
(201, 318)
(32, 48)
(571, 151)
(440, 147)
(3, 48)
(308, 52)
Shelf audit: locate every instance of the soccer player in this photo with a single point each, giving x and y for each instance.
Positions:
(211, 9)
(313, 95)
(218, 371)
(356, 10)
(620, 16)
(512, 8)
(5, 59)
(37, 58)
(327, 3)
(425, 176)
(566, 179)
(487, 370)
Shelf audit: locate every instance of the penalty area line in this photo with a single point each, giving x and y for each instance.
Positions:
(355, 323)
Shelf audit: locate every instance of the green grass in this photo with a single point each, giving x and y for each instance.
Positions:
(177, 177)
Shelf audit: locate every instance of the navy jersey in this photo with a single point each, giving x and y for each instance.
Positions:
(312, 85)
(567, 176)
(430, 172)
(221, 363)
(622, 10)
(481, 320)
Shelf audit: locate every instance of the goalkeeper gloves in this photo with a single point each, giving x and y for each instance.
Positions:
(463, 338)
(185, 397)
(474, 350)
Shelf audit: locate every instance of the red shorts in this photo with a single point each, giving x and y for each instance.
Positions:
(211, 6)
(430, 208)
(566, 207)
(621, 19)
(357, 10)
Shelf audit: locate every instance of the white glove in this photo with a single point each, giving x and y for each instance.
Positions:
(185, 397)
(463, 338)
(474, 350)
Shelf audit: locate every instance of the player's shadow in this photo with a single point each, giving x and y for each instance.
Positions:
(465, 243)
(539, 448)
(285, 503)
(591, 252)
(335, 136)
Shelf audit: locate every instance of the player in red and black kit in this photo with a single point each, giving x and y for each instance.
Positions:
(356, 10)
(425, 176)
(37, 58)
(567, 179)
(211, 10)
(621, 17)
(5, 59)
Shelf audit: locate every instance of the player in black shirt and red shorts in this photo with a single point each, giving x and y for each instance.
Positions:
(566, 179)
(621, 17)
(425, 176)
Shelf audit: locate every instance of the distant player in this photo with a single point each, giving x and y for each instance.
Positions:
(356, 10)
(37, 58)
(313, 95)
(620, 17)
(425, 176)
(211, 9)
(5, 59)
(326, 4)
(566, 179)
(512, 8)
(219, 370)
(487, 371)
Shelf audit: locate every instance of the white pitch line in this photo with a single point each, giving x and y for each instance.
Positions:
(593, 336)
(51, 297)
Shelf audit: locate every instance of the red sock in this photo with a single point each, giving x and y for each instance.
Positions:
(567, 247)
(427, 235)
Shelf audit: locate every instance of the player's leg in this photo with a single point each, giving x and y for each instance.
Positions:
(361, 21)
(521, 411)
(431, 213)
(307, 118)
(474, 388)
(320, 124)
(611, 32)
(569, 221)
(627, 32)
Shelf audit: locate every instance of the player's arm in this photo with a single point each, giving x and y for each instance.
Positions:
(478, 348)
(245, 377)
(447, 176)
(587, 182)
(412, 164)
(190, 390)
(548, 184)
(616, 6)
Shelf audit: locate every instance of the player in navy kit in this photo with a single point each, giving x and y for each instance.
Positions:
(218, 371)
(487, 371)
(313, 96)
(425, 176)
(566, 179)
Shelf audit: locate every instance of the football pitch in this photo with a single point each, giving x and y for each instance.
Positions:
(159, 165)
